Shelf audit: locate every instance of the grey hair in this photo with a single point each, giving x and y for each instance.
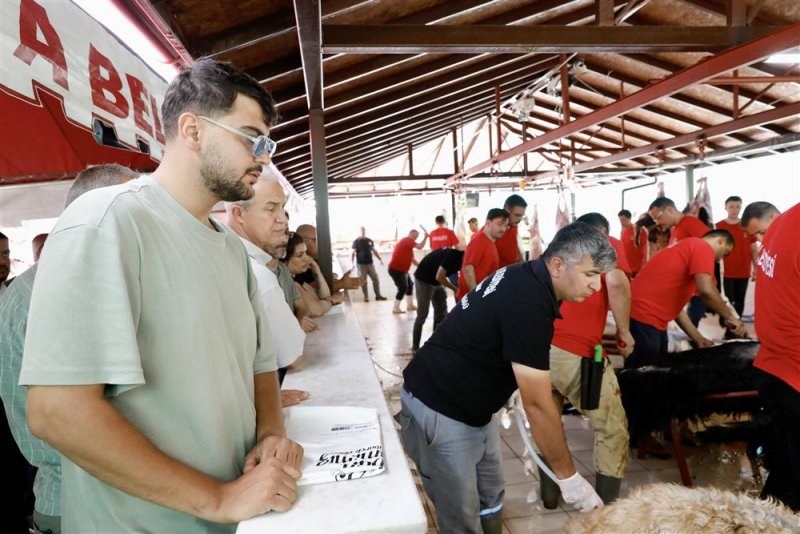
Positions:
(266, 176)
(578, 240)
(757, 210)
(96, 176)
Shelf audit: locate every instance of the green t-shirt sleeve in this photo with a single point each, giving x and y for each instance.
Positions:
(84, 312)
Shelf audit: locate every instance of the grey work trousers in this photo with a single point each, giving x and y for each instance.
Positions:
(460, 465)
(368, 269)
(427, 294)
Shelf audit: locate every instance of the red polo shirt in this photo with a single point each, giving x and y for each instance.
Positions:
(507, 248)
(482, 255)
(442, 237)
(778, 299)
(582, 323)
(402, 255)
(689, 226)
(739, 263)
(666, 282)
(634, 254)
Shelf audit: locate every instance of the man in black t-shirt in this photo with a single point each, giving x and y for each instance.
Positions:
(363, 249)
(495, 340)
(430, 279)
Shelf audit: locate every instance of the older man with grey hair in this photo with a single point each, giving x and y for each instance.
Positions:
(261, 223)
(497, 339)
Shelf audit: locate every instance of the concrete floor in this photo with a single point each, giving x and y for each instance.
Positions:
(389, 340)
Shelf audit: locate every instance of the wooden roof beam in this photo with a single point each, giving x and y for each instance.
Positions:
(498, 39)
(741, 55)
(749, 121)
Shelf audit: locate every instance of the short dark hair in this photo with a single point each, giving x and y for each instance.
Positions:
(719, 232)
(661, 203)
(496, 213)
(440, 219)
(473, 219)
(97, 176)
(209, 87)
(757, 210)
(595, 219)
(625, 213)
(515, 201)
(295, 239)
(578, 239)
(733, 198)
(3, 236)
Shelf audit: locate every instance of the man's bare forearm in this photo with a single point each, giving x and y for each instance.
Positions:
(619, 298)
(549, 436)
(84, 427)
(469, 276)
(269, 409)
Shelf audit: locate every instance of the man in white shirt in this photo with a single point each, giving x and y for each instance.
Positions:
(261, 224)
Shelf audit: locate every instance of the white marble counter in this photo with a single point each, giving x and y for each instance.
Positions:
(338, 371)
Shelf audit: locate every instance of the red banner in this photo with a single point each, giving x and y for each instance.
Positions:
(64, 77)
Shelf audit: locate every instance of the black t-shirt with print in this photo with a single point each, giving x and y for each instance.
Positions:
(464, 370)
(449, 258)
(363, 247)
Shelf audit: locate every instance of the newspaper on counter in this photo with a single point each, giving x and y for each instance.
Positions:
(340, 442)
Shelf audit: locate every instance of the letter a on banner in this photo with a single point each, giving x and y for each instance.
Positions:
(33, 17)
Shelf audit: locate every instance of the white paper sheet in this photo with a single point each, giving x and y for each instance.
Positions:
(340, 442)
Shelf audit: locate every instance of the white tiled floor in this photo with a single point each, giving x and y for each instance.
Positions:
(389, 339)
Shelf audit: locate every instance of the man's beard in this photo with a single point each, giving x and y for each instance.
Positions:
(216, 177)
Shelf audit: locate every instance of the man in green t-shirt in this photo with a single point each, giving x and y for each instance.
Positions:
(148, 357)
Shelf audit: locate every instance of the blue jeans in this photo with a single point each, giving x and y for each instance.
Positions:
(460, 465)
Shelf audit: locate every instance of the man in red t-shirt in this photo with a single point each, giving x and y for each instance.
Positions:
(669, 217)
(507, 247)
(740, 265)
(681, 226)
(481, 258)
(442, 236)
(635, 254)
(777, 318)
(400, 264)
(664, 286)
(576, 334)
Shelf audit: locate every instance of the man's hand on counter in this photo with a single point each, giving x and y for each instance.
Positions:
(290, 397)
(307, 325)
(278, 447)
(265, 486)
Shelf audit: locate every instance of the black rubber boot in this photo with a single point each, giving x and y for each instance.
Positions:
(549, 490)
(607, 488)
(492, 524)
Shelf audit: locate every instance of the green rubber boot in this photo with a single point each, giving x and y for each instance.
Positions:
(607, 487)
(548, 490)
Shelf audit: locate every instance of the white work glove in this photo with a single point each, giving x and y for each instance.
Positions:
(576, 491)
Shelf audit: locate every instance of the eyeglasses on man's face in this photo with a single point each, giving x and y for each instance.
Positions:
(261, 144)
